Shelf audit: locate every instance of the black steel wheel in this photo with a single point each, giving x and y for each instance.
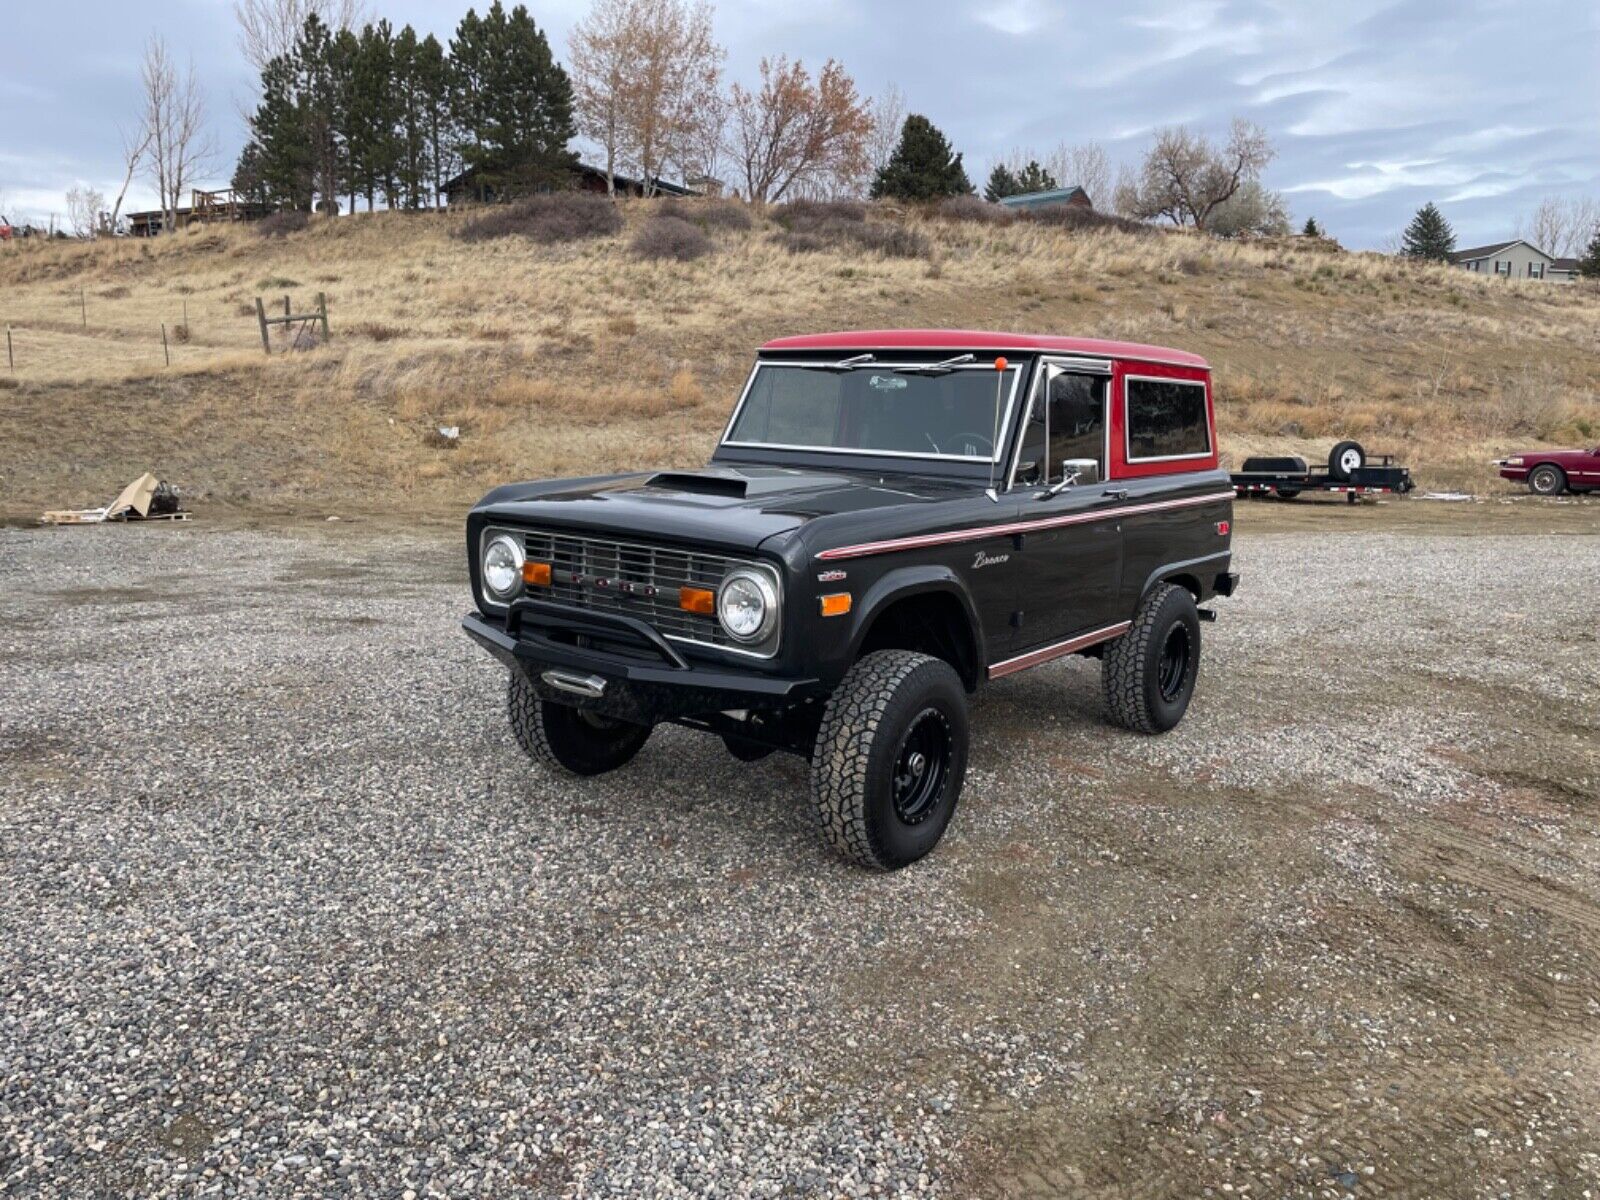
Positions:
(890, 758)
(1547, 480)
(1149, 673)
(560, 737)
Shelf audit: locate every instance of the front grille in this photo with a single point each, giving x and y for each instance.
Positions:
(633, 579)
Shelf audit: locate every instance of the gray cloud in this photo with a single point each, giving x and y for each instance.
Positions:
(1376, 106)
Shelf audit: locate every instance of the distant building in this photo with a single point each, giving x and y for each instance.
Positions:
(465, 187)
(224, 205)
(1064, 197)
(1516, 259)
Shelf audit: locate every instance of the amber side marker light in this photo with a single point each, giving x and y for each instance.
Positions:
(836, 605)
(536, 574)
(702, 601)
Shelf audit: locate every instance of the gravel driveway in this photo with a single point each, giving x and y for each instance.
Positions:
(283, 910)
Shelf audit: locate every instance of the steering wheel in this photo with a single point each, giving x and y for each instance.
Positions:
(987, 443)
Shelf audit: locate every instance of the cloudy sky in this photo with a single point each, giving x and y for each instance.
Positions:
(1375, 106)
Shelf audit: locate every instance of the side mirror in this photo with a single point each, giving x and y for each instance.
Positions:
(1087, 470)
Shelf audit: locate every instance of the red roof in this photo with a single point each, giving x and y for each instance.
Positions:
(966, 339)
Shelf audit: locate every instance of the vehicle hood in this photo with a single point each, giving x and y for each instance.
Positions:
(731, 507)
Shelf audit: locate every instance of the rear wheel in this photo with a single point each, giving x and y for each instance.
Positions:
(890, 758)
(1547, 480)
(1346, 459)
(1149, 672)
(561, 738)
(1286, 493)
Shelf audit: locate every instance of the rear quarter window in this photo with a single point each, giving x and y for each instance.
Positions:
(1167, 419)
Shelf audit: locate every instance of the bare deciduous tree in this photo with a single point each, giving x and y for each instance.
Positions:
(174, 121)
(888, 115)
(791, 128)
(645, 78)
(268, 28)
(1084, 165)
(134, 146)
(1561, 227)
(84, 206)
(1185, 178)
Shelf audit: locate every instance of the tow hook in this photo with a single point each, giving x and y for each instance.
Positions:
(1207, 614)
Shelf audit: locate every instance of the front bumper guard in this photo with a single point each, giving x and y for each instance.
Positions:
(620, 666)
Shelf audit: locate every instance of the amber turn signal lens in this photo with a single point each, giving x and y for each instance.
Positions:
(536, 574)
(702, 601)
(836, 605)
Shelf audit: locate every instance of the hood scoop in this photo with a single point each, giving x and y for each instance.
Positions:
(706, 483)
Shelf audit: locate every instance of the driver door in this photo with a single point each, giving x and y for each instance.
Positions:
(1071, 577)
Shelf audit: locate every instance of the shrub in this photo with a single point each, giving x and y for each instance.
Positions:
(974, 208)
(892, 241)
(804, 216)
(282, 224)
(672, 237)
(548, 219)
(1083, 219)
(708, 214)
(377, 331)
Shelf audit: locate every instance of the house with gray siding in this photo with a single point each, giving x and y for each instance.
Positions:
(1516, 259)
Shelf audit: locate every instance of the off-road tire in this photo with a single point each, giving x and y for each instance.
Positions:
(1547, 479)
(1130, 669)
(561, 738)
(864, 727)
(1339, 469)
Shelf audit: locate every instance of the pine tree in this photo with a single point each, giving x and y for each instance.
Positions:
(435, 91)
(276, 164)
(922, 167)
(1312, 229)
(1589, 264)
(371, 113)
(1034, 178)
(1429, 236)
(513, 102)
(1002, 183)
(412, 169)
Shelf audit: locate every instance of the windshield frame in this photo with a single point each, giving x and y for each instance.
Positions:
(1017, 368)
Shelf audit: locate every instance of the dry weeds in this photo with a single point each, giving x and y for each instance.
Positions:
(581, 357)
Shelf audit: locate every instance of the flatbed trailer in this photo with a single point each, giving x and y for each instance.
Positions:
(1349, 471)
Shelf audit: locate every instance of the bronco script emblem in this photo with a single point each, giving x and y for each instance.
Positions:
(988, 560)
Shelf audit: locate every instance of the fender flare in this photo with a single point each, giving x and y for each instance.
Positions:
(1182, 567)
(902, 583)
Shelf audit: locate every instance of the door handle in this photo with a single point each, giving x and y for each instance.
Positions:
(1115, 493)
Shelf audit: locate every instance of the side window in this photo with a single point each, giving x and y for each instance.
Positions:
(1067, 419)
(1167, 419)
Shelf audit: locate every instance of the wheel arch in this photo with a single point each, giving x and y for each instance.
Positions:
(1188, 574)
(926, 609)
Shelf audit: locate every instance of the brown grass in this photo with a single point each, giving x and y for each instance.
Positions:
(579, 357)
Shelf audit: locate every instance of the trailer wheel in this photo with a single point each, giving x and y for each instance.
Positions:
(1346, 459)
(1547, 480)
(1149, 672)
(1286, 493)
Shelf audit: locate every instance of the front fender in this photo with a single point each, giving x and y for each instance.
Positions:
(905, 582)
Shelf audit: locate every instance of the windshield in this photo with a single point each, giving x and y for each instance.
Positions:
(914, 409)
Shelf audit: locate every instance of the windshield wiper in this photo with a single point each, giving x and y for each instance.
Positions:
(938, 368)
(844, 364)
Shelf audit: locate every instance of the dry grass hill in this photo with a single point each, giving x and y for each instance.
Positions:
(582, 349)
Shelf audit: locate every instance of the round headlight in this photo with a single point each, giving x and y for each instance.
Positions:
(747, 605)
(502, 566)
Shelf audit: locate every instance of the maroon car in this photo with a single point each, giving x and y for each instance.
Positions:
(1551, 472)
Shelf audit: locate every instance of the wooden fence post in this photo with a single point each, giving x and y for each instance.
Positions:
(10, 360)
(83, 307)
(261, 316)
(164, 349)
(322, 307)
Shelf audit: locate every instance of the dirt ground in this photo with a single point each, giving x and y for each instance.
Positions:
(1336, 935)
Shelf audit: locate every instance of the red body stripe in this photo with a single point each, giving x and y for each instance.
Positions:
(1015, 527)
(1043, 655)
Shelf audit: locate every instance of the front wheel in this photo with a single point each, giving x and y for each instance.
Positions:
(890, 758)
(1547, 481)
(560, 737)
(1149, 672)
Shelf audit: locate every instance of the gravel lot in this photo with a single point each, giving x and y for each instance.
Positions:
(283, 910)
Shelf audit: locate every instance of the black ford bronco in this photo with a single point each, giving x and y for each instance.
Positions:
(890, 520)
